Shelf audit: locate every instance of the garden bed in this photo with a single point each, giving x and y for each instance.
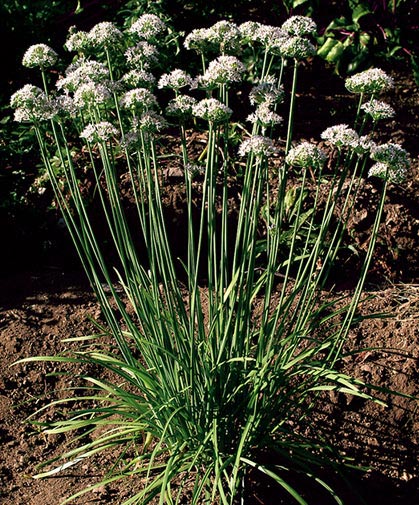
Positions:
(40, 308)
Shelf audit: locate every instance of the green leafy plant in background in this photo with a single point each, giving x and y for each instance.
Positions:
(197, 384)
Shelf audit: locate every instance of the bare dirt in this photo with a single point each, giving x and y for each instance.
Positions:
(39, 308)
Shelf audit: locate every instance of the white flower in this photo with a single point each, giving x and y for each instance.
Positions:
(299, 25)
(32, 104)
(266, 92)
(199, 40)
(151, 122)
(296, 47)
(138, 98)
(77, 41)
(82, 72)
(91, 94)
(223, 70)
(143, 54)
(99, 132)
(104, 34)
(264, 116)
(249, 30)
(306, 155)
(148, 27)
(138, 79)
(378, 110)
(181, 106)
(392, 162)
(271, 37)
(226, 35)
(39, 55)
(212, 110)
(175, 80)
(341, 136)
(370, 81)
(258, 145)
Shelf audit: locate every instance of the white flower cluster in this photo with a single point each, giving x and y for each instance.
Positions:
(223, 36)
(181, 106)
(91, 94)
(142, 55)
(378, 110)
(212, 110)
(222, 70)
(258, 145)
(392, 162)
(300, 26)
(31, 104)
(150, 122)
(39, 56)
(99, 132)
(77, 40)
(248, 31)
(138, 99)
(264, 116)
(104, 34)
(266, 92)
(138, 79)
(370, 81)
(271, 37)
(297, 47)
(82, 72)
(306, 155)
(175, 80)
(148, 27)
(341, 136)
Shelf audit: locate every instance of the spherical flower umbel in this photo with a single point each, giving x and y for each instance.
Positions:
(81, 73)
(91, 94)
(306, 155)
(139, 99)
(341, 136)
(151, 122)
(175, 80)
(142, 55)
(77, 40)
(258, 145)
(222, 70)
(299, 25)
(248, 31)
(199, 40)
(392, 162)
(32, 105)
(296, 47)
(265, 116)
(266, 92)
(138, 79)
(370, 81)
(212, 110)
(148, 27)
(41, 56)
(378, 110)
(99, 132)
(104, 34)
(181, 106)
(226, 35)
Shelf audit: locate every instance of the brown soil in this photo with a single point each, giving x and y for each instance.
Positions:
(39, 309)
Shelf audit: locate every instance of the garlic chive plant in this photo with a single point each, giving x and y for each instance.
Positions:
(201, 384)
